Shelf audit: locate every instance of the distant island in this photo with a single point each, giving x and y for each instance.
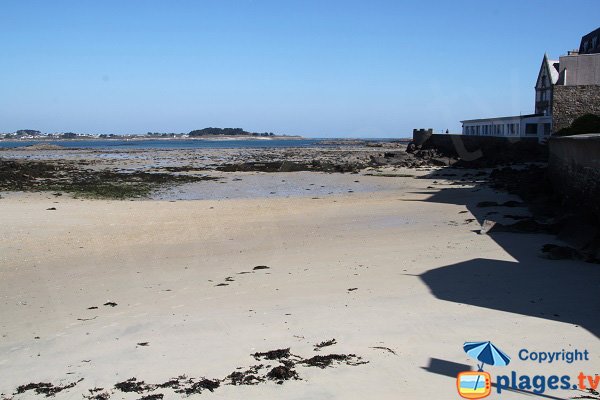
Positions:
(32, 134)
(226, 132)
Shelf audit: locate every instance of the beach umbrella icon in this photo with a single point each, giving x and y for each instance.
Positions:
(487, 353)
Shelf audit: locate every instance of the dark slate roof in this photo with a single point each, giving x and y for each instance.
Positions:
(590, 43)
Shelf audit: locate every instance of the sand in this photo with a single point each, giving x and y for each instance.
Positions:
(423, 282)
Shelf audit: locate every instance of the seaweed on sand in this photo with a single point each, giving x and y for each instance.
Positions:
(249, 377)
(273, 354)
(328, 360)
(69, 177)
(133, 385)
(46, 388)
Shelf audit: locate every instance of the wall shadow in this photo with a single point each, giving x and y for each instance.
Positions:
(566, 290)
(446, 368)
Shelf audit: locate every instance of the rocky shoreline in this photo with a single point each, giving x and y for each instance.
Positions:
(121, 174)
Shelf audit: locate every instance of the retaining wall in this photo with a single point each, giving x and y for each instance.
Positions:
(574, 166)
(489, 148)
(570, 102)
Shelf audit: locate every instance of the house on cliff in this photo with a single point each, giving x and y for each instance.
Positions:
(564, 90)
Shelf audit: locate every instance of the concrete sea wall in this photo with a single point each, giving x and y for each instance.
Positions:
(485, 148)
(574, 166)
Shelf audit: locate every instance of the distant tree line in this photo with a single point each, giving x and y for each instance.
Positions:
(27, 132)
(227, 132)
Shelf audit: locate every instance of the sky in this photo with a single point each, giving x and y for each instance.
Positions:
(312, 68)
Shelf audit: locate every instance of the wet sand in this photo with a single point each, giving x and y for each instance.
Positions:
(391, 267)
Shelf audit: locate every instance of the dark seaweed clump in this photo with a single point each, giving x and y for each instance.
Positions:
(282, 373)
(326, 361)
(273, 354)
(189, 386)
(249, 377)
(325, 343)
(157, 396)
(45, 388)
(68, 177)
(199, 386)
(292, 166)
(133, 385)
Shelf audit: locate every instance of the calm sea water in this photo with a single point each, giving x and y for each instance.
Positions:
(175, 143)
(166, 144)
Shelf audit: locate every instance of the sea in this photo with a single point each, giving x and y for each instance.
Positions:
(116, 144)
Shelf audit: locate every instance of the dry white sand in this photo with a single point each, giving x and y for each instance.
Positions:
(161, 261)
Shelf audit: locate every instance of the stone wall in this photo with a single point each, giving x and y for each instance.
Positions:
(574, 165)
(487, 149)
(570, 102)
(420, 136)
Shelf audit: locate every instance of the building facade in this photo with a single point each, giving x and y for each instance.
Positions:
(547, 78)
(533, 125)
(564, 90)
(577, 91)
(590, 43)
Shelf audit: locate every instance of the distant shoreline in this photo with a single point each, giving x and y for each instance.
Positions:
(139, 138)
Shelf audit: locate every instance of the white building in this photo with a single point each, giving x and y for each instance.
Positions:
(538, 125)
(533, 125)
(577, 68)
(547, 78)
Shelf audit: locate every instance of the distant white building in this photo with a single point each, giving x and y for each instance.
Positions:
(538, 125)
(533, 125)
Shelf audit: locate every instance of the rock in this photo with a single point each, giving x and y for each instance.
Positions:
(556, 252)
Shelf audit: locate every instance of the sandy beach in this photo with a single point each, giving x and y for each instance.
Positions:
(392, 267)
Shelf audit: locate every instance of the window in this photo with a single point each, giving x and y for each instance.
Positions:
(547, 128)
(531, 129)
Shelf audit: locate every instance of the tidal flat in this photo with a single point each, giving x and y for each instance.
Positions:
(341, 272)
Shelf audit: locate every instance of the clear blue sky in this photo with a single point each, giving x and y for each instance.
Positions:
(314, 68)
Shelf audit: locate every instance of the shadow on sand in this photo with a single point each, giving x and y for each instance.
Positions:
(566, 290)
